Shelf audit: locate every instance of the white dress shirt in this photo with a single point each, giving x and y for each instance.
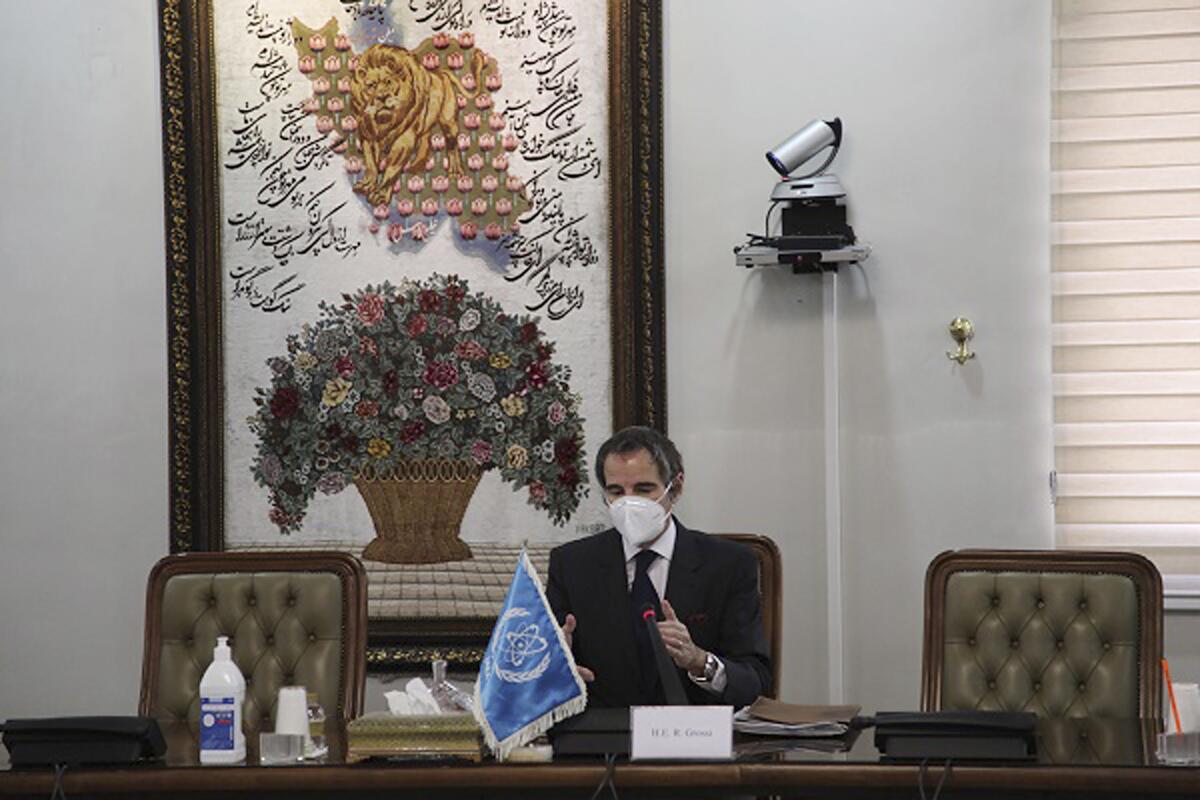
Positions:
(664, 545)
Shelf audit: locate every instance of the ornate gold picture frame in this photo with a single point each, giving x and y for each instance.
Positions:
(210, 213)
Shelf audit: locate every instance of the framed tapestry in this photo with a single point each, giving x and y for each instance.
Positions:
(414, 279)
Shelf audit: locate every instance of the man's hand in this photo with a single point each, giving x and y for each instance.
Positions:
(568, 630)
(678, 640)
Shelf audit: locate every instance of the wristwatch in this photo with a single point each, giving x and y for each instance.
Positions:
(711, 665)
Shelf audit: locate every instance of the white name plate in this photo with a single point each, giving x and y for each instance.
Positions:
(686, 733)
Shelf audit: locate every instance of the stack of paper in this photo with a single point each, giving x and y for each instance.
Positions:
(767, 717)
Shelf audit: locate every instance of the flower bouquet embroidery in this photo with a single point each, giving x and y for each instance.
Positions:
(411, 393)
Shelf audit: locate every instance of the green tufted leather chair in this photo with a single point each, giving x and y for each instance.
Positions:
(1066, 635)
(292, 619)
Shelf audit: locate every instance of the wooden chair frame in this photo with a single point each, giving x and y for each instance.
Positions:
(771, 592)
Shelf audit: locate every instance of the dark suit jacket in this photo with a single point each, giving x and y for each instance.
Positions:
(712, 585)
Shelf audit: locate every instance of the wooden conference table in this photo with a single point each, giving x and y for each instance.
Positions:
(1077, 758)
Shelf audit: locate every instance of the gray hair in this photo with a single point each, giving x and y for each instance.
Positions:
(636, 437)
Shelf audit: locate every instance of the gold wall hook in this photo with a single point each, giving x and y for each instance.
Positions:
(963, 331)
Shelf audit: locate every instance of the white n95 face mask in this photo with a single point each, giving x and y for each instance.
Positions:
(639, 519)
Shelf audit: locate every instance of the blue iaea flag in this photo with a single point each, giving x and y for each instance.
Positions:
(527, 680)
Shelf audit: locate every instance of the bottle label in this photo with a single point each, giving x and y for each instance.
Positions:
(217, 717)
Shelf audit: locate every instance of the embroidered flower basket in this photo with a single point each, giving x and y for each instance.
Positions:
(417, 508)
(411, 392)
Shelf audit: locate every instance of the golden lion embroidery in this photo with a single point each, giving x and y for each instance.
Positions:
(402, 104)
(417, 129)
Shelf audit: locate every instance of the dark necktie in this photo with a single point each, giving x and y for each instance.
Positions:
(641, 593)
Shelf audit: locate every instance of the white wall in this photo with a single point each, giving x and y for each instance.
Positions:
(83, 401)
(946, 166)
(934, 94)
(955, 187)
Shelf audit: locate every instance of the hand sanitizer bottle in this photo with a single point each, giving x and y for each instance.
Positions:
(222, 692)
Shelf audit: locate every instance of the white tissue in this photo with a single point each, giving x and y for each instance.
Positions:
(398, 702)
(415, 699)
(420, 698)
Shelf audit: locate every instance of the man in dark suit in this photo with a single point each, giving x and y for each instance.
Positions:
(704, 589)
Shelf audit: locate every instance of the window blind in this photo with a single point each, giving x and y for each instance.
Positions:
(1126, 277)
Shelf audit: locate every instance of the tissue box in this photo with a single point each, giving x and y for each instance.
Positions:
(384, 734)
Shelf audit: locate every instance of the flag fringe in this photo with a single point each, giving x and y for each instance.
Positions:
(502, 749)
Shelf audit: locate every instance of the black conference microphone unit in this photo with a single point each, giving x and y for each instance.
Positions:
(605, 731)
(667, 673)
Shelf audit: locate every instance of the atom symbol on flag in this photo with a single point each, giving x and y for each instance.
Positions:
(522, 643)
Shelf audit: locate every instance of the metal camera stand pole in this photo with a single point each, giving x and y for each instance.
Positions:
(826, 263)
